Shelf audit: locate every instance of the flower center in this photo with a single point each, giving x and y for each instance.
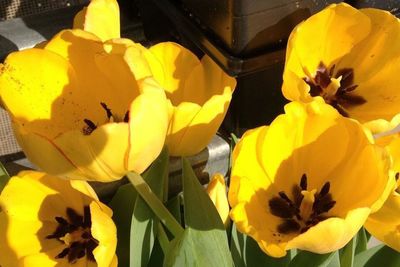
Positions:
(307, 208)
(337, 90)
(91, 126)
(75, 233)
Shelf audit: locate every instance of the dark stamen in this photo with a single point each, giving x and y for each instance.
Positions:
(126, 117)
(74, 217)
(61, 220)
(89, 128)
(289, 226)
(87, 221)
(397, 176)
(281, 208)
(63, 253)
(81, 247)
(289, 211)
(297, 196)
(325, 189)
(303, 182)
(108, 111)
(348, 100)
(341, 100)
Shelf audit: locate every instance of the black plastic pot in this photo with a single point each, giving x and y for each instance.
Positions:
(249, 27)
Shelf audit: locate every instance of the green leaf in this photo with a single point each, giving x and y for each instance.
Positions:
(362, 241)
(144, 221)
(4, 177)
(235, 140)
(378, 256)
(335, 262)
(204, 241)
(246, 252)
(174, 206)
(309, 259)
(157, 256)
(347, 253)
(122, 205)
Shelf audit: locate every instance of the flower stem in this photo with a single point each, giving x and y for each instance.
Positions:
(155, 204)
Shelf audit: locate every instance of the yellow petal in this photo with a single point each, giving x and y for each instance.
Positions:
(375, 63)
(136, 57)
(79, 19)
(192, 127)
(385, 224)
(247, 164)
(177, 63)
(100, 17)
(43, 153)
(48, 259)
(101, 155)
(38, 88)
(216, 190)
(294, 87)
(148, 122)
(331, 234)
(103, 230)
(206, 81)
(205, 101)
(114, 262)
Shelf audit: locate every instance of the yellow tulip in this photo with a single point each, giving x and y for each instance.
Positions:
(308, 181)
(199, 92)
(216, 190)
(385, 223)
(349, 57)
(46, 221)
(84, 109)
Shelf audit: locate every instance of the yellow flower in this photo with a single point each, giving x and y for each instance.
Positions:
(385, 223)
(46, 221)
(216, 190)
(84, 109)
(308, 181)
(349, 57)
(199, 91)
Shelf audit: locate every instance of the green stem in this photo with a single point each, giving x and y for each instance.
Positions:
(155, 204)
(162, 238)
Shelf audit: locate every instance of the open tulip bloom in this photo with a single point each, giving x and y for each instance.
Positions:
(78, 109)
(349, 57)
(46, 221)
(296, 183)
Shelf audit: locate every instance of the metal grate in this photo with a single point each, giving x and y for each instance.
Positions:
(21, 8)
(8, 145)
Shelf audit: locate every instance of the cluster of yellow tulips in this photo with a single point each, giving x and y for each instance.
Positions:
(89, 105)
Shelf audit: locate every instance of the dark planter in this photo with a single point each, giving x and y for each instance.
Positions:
(249, 27)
